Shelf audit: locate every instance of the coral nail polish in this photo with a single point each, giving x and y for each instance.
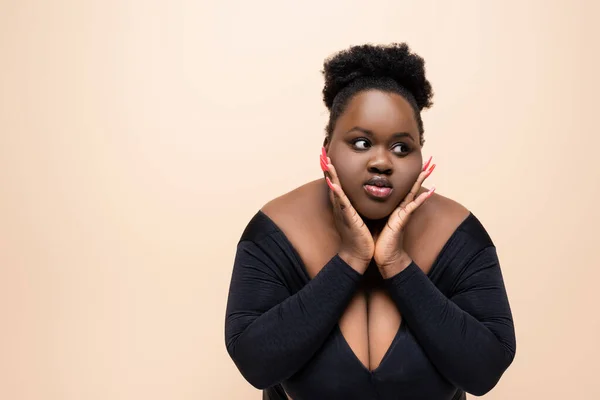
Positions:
(427, 163)
(324, 165)
(324, 153)
(431, 169)
(329, 183)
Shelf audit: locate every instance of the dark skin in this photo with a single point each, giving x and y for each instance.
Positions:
(376, 135)
(306, 215)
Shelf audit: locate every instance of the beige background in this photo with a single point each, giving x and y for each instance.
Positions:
(137, 138)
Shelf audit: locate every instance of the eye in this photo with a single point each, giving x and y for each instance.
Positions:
(400, 149)
(361, 144)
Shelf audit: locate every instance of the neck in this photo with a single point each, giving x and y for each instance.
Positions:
(375, 225)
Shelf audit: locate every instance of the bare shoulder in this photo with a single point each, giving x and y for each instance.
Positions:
(305, 222)
(433, 223)
(443, 213)
(295, 207)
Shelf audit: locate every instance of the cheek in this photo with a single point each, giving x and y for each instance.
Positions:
(408, 179)
(346, 175)
(348, 169)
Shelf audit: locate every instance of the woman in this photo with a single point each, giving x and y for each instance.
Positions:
(363, 284)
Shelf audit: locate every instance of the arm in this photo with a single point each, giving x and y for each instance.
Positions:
(470, 336)
(270, 333)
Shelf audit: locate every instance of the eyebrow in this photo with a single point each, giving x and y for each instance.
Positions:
(369, 133)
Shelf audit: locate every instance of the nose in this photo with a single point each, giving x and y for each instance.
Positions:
(380, 162)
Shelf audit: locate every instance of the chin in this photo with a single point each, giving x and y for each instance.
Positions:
(375, 211)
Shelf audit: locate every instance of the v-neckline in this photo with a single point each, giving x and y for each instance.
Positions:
(337, 328)
(338, 331)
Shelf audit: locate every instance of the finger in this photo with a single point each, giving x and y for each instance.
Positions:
(333, 196)
(430, 170)
(336, 192)
(402, 214)
(333, 172)
(324, 166)
(326, 172)
(417, 185)
(344, 201)
(330, 184)
(427, 163)
(334, 178)
(413, 205)
(341, 199)
(421, 178)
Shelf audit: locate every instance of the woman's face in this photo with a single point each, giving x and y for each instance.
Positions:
(376, 136)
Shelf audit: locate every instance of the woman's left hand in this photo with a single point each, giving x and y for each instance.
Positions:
(389, 254)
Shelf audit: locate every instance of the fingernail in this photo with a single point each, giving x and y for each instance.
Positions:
(431, 169)
(431, 191)
(427, 163)
(329, 183)
(324, 152)
(324, 165)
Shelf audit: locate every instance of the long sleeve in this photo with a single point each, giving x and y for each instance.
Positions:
(270, 333)
(469, 336)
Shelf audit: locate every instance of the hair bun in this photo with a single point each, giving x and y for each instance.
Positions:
(394, 61)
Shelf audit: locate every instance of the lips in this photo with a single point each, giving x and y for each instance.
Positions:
(379, 181)
(378, 187)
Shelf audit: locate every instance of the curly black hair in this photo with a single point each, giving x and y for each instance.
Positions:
(391, 68)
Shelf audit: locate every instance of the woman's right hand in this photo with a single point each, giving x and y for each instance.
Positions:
(357, 245)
